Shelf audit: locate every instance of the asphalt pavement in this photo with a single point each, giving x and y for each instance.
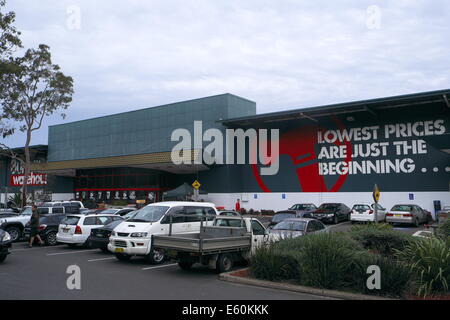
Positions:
(40, 273)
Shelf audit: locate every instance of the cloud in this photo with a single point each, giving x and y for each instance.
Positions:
(283, 54)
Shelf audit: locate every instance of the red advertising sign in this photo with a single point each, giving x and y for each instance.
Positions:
(35, 179)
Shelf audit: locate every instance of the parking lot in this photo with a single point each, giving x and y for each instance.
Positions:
(40, 273)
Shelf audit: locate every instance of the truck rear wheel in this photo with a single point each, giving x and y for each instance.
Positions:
(185, 265)
(224, 263)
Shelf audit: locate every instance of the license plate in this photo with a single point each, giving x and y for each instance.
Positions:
(398, 215)
(119, 250)
(65, 230)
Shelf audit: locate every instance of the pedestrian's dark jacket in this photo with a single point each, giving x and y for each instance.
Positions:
(34, 221)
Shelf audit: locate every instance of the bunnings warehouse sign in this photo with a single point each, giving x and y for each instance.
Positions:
(17, 176)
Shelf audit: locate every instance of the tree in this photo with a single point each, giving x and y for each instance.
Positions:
(9, 36)
(30, 90)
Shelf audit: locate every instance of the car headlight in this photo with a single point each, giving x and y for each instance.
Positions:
(113, 234)
(6, 237)
(139, 234)
(330, 215)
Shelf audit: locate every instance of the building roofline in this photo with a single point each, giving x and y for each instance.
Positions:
(158, 106)
(348, 105)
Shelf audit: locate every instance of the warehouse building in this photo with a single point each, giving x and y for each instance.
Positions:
(333, 153)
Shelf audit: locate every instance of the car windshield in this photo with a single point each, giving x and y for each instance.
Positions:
(361, 207)
(149, 214)
(328, 206)
(301, 207)
(291, 225)
(70, 220)
(282, 216)
(401, 208)
(110, 211)
(238, 223)
(27, 212)
(130, 214)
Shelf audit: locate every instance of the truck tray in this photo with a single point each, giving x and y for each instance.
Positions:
(192, 242)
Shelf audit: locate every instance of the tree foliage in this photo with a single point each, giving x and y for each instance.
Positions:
(9, 36)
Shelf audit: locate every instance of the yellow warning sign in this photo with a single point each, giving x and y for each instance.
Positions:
(376, 194)
(196, 184)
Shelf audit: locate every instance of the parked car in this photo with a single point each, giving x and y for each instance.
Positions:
(304, 210)
(229, 213)
(366, 213)
(407, 213)
(229, 239)
(14, 224)
(78, 204)
(280, 216)
(75, 229)
(5, 245)
(133, 237)
(332, 212)
(297, 227)
(118, 211)
(48, 228)
(99, 237)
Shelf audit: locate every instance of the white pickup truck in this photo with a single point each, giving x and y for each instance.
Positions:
(229, 239)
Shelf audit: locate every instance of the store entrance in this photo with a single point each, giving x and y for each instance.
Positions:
(122, 186)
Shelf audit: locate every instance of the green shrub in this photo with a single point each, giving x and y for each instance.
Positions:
(395, 276)
(380, 238)
(270, 264)
(328, 261)
(444, 229)
(371, 226)
(430, 260)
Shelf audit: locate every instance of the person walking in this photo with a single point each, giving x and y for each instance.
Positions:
(238, 206)
(34, 227)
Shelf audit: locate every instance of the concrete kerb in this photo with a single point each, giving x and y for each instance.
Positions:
(228, 276)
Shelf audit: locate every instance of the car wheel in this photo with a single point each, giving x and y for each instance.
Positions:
(15, 233)
(2, 257)
(50, 239)
(123, 257)
(224, 263)
(156, 257)
(185, 265)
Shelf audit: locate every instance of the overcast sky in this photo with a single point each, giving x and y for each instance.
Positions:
(282, 54)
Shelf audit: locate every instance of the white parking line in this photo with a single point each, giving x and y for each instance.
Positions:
(166, 265)
(71, 252)
(101, 259)
(34, 248)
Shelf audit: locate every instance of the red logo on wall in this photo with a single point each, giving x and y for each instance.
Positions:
(35, 179)
(299, 145)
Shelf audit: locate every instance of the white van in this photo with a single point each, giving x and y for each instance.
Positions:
(133, 237)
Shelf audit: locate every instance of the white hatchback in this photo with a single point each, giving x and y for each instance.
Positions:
(75, 229)
(366, 213)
